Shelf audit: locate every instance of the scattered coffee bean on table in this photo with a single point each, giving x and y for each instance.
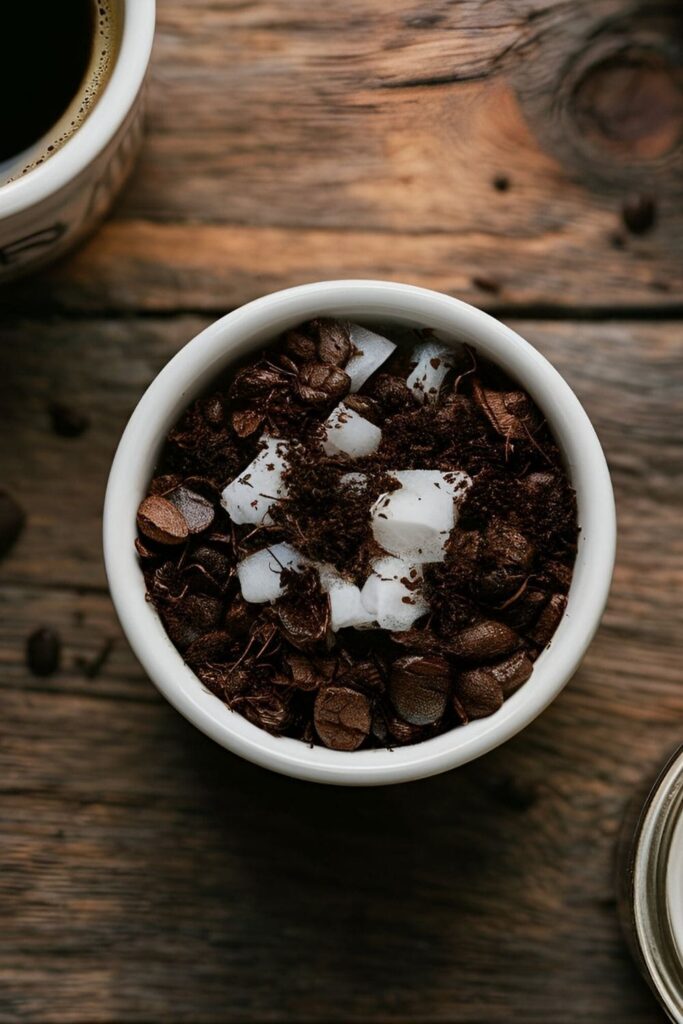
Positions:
(43, 652)
(358, 541)
(12, 519)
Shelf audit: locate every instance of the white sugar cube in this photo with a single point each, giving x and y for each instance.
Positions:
(346, 606)
(415, 521)
(373, 350)
(432, 361)
(260, 574)
(392, 594)
(349, 433)
(249, 496)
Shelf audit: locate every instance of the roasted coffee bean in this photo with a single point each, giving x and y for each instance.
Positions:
(299, 346)
(12, 519)
(366, 676)
(319, 385)
(214, 563)
(342, 717)
(392, 393)
(161, 485)
(479, 694)
(560, 573)
(197, 511)
(419, 688)
(508, 674)
(225, 682)
(639, 214)
(214, 646)
(145, 553)
(254, 382)
(239, 616)
(403, 733)
(269, 709)
(507, 546)
(548, 620)
(302, 672)
(365, 407)
(67, 421)
(521, 613)
(510, 413)
(483, 641)
(498, 585)
(419, 641)
(43, 652)
(334, 343)
(159, 520)
(190, 618)
(485, 283)
(246, 422)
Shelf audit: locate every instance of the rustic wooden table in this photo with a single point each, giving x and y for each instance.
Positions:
(481, 147)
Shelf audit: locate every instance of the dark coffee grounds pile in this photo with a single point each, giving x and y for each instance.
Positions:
(494, 602)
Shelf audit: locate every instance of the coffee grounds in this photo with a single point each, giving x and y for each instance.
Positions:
(493, 603)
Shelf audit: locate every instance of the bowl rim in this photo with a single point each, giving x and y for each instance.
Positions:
(192, 369)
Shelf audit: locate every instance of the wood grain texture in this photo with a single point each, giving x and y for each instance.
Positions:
(145, 874)
(290, 143)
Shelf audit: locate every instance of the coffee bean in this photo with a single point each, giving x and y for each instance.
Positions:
(299, 346)
(560, 573)
(419, 687)
(507, 546)
(403, 733)
(521, 613)
(12, 519)
(302, 672)
(342, 717)
(319, 384)
(67, 421)
(254, 382)
(334, 343)
(479, 694)
(548, 620)
(145, 554)
(510, 413)
(197, 511)
(210, 648)
(508, 674)
(159, 520)
(639, 214)
(483, 641)
(161, 485)
(246, 422)
(365, 407)
(43, 651)
(486, 283)
(268, 709)
(392, 393)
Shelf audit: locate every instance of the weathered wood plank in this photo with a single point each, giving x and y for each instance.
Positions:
(142, 266)
(364, 139)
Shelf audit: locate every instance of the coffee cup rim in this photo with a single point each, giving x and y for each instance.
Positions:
(101, 125)
(193, 368)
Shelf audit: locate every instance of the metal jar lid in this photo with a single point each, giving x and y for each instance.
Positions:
(652, 888)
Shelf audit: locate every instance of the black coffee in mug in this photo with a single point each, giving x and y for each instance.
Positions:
(55, 58)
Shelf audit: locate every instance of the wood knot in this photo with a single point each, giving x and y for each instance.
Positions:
(631, 102)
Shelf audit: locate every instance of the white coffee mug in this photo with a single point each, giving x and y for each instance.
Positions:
(54, 205)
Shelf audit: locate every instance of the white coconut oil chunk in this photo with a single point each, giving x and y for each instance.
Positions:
(349, 433)
(372, 350)
(415, 521)
(392, 595)
(260, 574)
(248, 498)
(346, 606)
(432, 361)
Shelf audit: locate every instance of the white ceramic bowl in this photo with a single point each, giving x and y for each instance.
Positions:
(193, 369)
